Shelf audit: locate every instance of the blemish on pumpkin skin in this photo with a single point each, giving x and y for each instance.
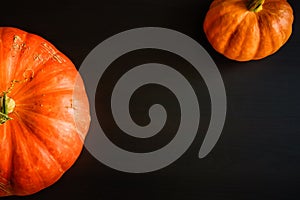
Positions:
(28, 74)
(37, 57)
(16, 38)
(18, 44)
(5, 186)
(57, 58)
(71, 105)
(53, 53)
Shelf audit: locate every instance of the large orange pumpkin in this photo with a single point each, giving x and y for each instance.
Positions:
(245, 30)
(44, 113)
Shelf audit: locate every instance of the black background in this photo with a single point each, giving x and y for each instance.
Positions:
(258, 154)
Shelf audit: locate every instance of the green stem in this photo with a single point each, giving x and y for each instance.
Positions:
(255, 5)
(7, 106)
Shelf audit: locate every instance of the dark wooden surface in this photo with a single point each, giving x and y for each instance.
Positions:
(258, 154)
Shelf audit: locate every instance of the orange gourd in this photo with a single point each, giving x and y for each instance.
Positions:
(44, 113)
(245, 30)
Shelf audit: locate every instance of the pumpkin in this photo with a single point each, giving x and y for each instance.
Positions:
(246, 30)
(44, 113)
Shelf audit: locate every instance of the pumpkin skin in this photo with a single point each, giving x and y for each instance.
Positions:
(50, 120)
(244, 30)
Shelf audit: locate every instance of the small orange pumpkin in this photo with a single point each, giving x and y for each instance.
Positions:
(245, 30)
(44, 113)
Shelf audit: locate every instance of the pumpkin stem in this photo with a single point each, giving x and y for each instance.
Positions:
(7, 106)
(255, 5)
